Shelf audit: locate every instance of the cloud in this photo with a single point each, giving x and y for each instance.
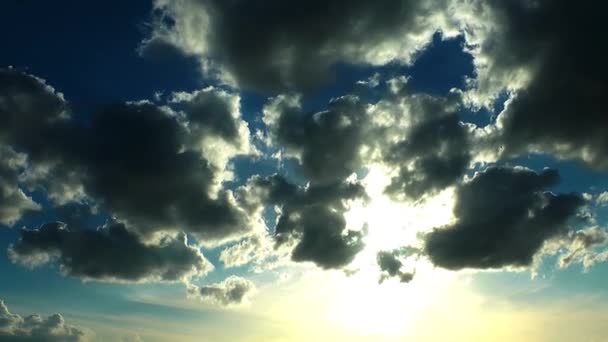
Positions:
(155, 167)
(231, 291)
(326, 143)
(391, 264)
(602, 199)
(111, 253)
(311, 217)
(14, 203)
(280, 50)
(503, 217)
(34, 328)
(546, 53)
(434, 153)
(587, 247)
(419, 138)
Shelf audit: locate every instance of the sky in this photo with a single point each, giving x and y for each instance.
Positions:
(395, 170)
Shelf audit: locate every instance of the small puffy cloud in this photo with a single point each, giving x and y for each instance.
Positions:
(391, 264)
(34, 328)
(231, 291)
(259, 251)
(111, 253)
(503, 218)
(280, 50)
(587, 247)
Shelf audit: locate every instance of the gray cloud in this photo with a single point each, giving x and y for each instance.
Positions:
(547, 53)
(111, 253)
(327, 143)
(419, 137)
(391, 264)
(231, 291)
(280, 49)
(313, 217)
(503, 217)
(435, 151)
(155, 168)
(34, 328)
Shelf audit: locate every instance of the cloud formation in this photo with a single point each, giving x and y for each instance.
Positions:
(312, 217)
(34, 328)
(391, 264)
(231, 291)
(280, 50)
(546, 54)
(156, 167)
(111, 253)
(503, 217)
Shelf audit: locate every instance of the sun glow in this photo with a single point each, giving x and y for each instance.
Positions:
(392, 224)
(390, 308)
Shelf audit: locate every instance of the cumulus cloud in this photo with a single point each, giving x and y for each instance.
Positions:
(546, 54)
(231, 291)
(503, 218)
(156, 167)
(280, 50)
(419, 138)
(434, 152)
(34, 328)
(111, 253)
(327, 143)
(312, 217)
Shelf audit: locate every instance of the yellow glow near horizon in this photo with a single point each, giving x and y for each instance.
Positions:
(359, 304)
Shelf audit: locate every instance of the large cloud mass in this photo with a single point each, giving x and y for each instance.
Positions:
(503, 217)
(278, 45)
(157, 168)
(548, 53)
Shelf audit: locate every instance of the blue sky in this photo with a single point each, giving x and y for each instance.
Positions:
(460, 109)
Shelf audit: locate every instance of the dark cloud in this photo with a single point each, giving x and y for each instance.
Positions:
(313, 216)
(435, 152)
(420, 138)
(111, 253)
(233, 290)
(144, 163)
(34, 328)
(554, 46)
(391, 264)
(503, 217)
(138, 170)
(280, 49)
(327, 143)
(208, 112)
